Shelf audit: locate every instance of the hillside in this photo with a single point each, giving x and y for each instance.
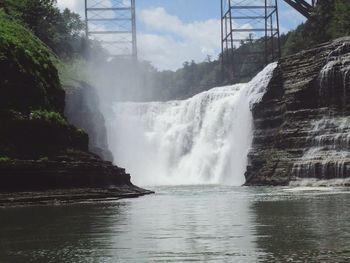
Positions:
(39, 150)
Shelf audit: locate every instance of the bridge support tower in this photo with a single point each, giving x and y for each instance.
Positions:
(113, 23)
(244, 23)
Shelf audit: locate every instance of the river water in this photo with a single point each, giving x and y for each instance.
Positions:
(186, 224)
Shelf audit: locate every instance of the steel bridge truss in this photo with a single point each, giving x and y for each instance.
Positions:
(303, 7)
(244, 22)
(113, 24)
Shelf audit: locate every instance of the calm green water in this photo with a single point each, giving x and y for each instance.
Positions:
(186, 224)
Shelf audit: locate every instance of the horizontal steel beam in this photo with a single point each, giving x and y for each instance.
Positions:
(248, 17)
(108, 9)
(110, 32)
(116, 42)
(252, 7)
(108, 19)
(253, 30)
(241, 39)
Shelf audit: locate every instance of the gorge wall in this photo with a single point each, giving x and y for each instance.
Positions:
(83, 110)
(302, 124)
(39, 150)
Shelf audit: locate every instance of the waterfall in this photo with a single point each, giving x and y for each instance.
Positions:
(334, 78)
(201, 140)
(328, 155)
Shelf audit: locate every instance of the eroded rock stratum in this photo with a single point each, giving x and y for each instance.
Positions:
(302, 124)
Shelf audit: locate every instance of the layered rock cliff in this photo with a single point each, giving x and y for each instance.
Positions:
(39, 150)
(83, 110)
(302, 124)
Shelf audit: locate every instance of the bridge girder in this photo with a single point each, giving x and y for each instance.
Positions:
(302, 6)
(113, 23)
(260, 21)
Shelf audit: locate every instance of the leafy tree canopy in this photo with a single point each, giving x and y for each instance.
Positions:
(61, 31)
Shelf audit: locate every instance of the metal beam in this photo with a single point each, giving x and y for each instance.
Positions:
(303, 7)
(234, 32)
(109, 32)
(108, 9)
(113, 23)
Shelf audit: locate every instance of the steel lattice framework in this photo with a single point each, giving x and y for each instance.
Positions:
(302, 6)
(113, 23)
(244, 22)
(247, 21)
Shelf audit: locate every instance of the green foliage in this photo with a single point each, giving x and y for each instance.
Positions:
(38, 134)
(330, 20)
(4, 159)
(31, 96)
(71, 71)
(29, 77)
(340, 24)
(61, 31)
(81, 131)
(44, 159)
(48, 116)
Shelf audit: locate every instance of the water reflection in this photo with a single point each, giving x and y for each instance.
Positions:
(55, 234)
(181, 224)
(303, 228)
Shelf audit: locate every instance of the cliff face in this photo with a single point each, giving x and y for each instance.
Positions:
(39, 150)
(302, 124)
(82, 110)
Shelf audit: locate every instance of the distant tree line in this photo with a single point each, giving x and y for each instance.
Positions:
(330, 20)
(63, 32)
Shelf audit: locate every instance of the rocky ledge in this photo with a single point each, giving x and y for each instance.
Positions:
(73, 176)
(69, 196)
(302, 124)
(43, 157)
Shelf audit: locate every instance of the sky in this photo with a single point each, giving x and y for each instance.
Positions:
(170, 32)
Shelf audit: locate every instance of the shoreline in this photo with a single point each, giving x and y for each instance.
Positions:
(69, 196)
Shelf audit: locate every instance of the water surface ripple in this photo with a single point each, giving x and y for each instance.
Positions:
(186, 224)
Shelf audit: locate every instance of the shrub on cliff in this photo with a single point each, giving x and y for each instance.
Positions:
(330, 20)
(29, 79)
(40, 133)
(31, 97)
(61, 31)
(48, 116)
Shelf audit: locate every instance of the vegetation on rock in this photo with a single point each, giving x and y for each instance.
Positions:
(330, 20)
(61, 31)
(48, 116)
(32, 99)
(27, 70)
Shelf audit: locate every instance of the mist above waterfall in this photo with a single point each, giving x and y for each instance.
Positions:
(201, 140)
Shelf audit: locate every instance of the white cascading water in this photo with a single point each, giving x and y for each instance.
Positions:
(329, 151)
(201, 140)
(330, 136)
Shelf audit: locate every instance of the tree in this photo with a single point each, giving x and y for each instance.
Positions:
(340, 26)
(60, 31)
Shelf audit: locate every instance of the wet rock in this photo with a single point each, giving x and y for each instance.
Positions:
(302, 124)
(71, 176)
(83, 111)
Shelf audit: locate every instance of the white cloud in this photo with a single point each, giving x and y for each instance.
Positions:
(77, 6)
(165, 40)
(174, 41)
(293, 17)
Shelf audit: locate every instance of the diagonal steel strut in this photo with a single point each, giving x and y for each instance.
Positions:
(302, 6)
